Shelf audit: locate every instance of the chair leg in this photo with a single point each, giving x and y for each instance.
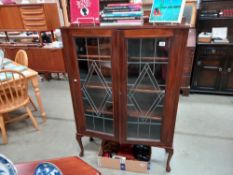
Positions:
(33, 104)
(6, 117)
(34, 122)
(3, 129)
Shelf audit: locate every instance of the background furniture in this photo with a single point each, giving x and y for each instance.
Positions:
(13, 95)
(188, 62)
(34, 18)
(213, 65)
(40, 59)
(125, 82)
(29, 17)
(68, 166)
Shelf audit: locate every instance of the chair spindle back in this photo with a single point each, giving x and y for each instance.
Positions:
(13, 89)
(21, 57)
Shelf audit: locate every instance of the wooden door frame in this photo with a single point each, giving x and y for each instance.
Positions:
(75, 86)
(172, 88)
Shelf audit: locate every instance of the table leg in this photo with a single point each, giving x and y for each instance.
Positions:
(3, 129)
(35, 85)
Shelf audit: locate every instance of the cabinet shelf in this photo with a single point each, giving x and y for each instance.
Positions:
(130, 113)
(97, 86)
(147, 89)
(103, 57)
(165, 59)
(108, 57)
(105, 112)
(141, 89)
(218, 18)
(143, 115)
(215, 44)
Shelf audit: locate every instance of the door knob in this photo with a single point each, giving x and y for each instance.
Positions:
(199, 63)
(75, 80)
(229, 70)
(220, 69)
(213, 51)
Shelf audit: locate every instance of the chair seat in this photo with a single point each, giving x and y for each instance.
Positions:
(5, 108)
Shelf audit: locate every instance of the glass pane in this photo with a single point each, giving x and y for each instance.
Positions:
(94, 59)
(143, 128)
(147, 71)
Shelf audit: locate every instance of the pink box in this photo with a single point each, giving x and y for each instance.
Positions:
(84, 11)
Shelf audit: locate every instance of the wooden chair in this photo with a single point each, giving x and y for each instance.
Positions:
(22, 58)
(13, 95)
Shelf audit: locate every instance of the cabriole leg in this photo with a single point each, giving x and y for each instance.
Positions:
(170, 153)
(79, 139)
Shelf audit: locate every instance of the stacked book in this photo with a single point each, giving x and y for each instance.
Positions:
(226, 13)
(127, 14)
(209, 13)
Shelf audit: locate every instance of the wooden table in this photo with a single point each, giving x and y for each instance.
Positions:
(32, 76)
(68, 166)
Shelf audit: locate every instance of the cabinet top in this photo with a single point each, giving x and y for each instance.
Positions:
(145, 26)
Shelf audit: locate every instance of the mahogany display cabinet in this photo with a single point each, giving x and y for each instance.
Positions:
(125, 82)
(188, 62)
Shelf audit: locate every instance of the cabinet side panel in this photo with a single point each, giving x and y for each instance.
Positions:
(70, 65)
(175, 68)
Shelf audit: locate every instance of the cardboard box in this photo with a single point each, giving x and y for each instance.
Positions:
(205, 37)
(204, 40)
(119, 164)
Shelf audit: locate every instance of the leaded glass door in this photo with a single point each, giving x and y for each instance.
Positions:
(95, 66)
(147, 61)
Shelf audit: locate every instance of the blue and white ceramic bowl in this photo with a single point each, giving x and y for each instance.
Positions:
(6, 166)
(47, 168)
